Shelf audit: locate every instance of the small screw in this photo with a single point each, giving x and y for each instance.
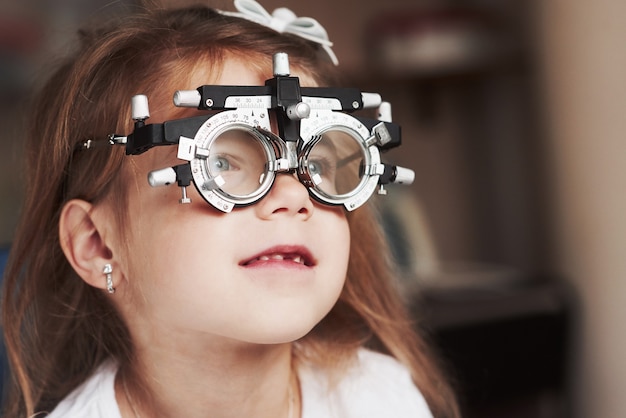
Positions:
(355, 104)
(184, 199)
(209, 102)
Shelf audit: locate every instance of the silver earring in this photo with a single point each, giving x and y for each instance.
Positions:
(107, 270)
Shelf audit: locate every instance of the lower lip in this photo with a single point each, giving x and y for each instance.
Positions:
(277, 264)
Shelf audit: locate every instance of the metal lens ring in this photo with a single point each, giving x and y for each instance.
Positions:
(233, 159)
(335, 162)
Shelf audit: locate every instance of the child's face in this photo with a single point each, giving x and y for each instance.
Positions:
(265, 273)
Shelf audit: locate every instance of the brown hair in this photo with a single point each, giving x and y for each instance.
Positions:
(57, 328)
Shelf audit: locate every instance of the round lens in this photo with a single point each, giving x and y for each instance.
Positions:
(335, 163)
(237, 162)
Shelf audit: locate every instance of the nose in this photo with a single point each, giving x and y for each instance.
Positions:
(287, 197)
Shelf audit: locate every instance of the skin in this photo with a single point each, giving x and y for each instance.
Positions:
(213, 301)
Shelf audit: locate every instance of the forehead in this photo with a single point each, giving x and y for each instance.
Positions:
(237, 71)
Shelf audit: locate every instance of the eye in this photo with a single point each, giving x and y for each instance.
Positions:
(220, 163)
(322, 167)
(317, 167)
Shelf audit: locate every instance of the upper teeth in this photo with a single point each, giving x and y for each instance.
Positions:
(295, 258)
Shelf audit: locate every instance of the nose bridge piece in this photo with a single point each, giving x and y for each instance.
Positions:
(291, 149)
(287, 161)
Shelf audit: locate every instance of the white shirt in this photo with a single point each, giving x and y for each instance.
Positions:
(376, 386)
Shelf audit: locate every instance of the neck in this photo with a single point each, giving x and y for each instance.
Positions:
(232, 380)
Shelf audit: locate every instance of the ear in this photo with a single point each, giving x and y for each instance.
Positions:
(83, 243)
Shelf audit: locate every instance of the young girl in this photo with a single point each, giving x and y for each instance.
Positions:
(121, 302)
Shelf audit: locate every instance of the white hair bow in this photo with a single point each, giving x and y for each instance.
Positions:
(283, 20)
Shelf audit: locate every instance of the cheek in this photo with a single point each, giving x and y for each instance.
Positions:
(161, 231)
(342, 237)
(173, 267)
(336, 243)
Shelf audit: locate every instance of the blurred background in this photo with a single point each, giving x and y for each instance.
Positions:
(512, 241)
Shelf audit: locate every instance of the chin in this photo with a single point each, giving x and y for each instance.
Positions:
(279, 334)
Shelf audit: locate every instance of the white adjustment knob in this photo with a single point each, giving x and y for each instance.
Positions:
(162, 177)
(371, 100)
(139, 107)
(384, 112)
(187, 98)
(281, 64)
(404, 176)
(298, 111)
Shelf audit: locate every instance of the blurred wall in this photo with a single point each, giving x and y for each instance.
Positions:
(34, 35)
(584, 68)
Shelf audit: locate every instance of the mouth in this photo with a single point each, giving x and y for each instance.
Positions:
(283, 254)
